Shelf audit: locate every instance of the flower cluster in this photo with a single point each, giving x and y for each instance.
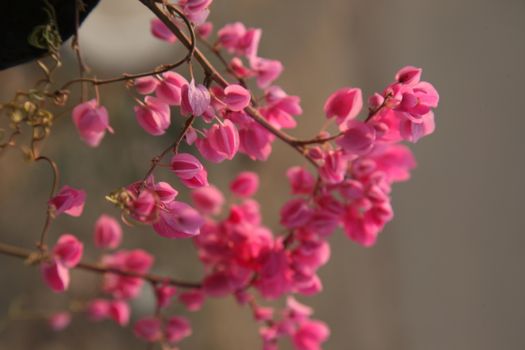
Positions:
(353, 163)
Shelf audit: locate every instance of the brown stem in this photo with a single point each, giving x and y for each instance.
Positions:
(158, 70)
(49, 214)
(22, 253)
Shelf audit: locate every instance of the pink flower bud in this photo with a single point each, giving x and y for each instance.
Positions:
(145, 85)
(230, 34)
(69, 201)
(59, 320)
(224, 139)
(154, 116)
(164, 294)
(375, 101)
(108, 233)
(248, 44)
(170, 88)
(409, 75)
(98, 309)
(204, 30)
(208, 151)
(334, 168)
(196, 5)
(266, 70)
(262, 313)
(344, 104)
(255, 141)
(177, 329)
(185, 166)
(358, 138)
(148, 329)
(137, 260)
(192, 299)
(297, 311)
(301, 181)
(217, 284)
(310, 335)
(178, 220)
(144, 207)
(245, 184)
(119, 312)
(68, 250)
(55, 275)
(91, 122)
(240, 70)
(208, 200)
(236, 97)
(165, 192)
(161, 31)
(295, 213)
(195, 99)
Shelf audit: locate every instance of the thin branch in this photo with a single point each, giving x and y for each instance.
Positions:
(26, 254)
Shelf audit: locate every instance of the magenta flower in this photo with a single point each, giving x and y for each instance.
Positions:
(56, 275)
(344, 104)
(148, 329)
(236, 97)
(69, 201)
(358, 138)
(108, 233)
(59, 320)
(146, 85)
(178, 220)
(153, 116)
(195, 99)
(119, 312)
(170, 88)
(68, 250)
(192, 299)
(310, 335)
(208, 200)
(224, 139)
(91, 122)
(245, 184)
(301, 181)
(266, 70)
(177, 328)
(161, 31)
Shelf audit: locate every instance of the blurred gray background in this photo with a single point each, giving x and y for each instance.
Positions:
(446, 273)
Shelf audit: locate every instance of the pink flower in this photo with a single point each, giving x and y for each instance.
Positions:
(108, 233)
(68, 250)
(358, 138)
(295, 213)
(164, 294)
(281, 108)
(178, 220)
(344, 104)
(185, 166)
(91, 122)
(153, 116)
(255, 141)
(266, 70)
(98, 309)
(177, 329)
(334, 169)
(208, 200)
(145, 85)
(409, 75)
(230, 34)
(224, 139)
(144, 207)
(148, 329)
(161, 31)
(248, 44)
(165, 192)
(204, 30)
(245, 184)
(59, 320)
(192, 299)
(236, 97)
(310, 335)
(119, 312)
(301, 181)
(170, 88)
(195, 99)
(55, 275)
(69, 201)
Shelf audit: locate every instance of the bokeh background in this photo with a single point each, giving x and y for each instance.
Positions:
(447, 273)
